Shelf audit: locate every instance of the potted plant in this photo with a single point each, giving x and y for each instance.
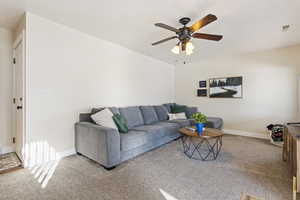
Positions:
(200, 121)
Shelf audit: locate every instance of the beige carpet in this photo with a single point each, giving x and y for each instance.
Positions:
(245, 165)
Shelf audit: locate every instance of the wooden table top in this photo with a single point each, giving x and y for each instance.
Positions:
(207, 133)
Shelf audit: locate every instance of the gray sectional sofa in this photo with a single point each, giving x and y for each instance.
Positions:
(149, 128)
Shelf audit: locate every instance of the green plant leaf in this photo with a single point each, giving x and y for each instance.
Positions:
(199, 117)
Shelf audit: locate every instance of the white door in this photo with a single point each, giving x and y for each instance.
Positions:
(19, 99)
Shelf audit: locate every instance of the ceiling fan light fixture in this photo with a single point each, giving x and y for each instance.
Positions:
(176, 49)
(189, 46)
(188, 52)
(187, 33)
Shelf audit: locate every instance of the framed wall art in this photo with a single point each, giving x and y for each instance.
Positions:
(202, 92)
(202, 84)
(229, 87)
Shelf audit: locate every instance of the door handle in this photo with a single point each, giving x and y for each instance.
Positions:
(19, 107)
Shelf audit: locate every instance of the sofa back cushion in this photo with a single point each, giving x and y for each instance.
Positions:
(132, 115)
(85, 117)
(189, 111)
(149, 114)
(162, 113)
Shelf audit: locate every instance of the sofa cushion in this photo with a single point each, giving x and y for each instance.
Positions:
(132, 115)
(159, 129)
(189, 111)
(214, 122)
(133, 139)
(168, 106)
(85, 117)
(181, 122)
(142, 135)
(162, 112)
(149, 114)
(192, 121)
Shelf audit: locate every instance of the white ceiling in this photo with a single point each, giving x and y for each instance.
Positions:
(247, 25)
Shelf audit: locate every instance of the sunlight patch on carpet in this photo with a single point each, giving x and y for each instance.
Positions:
(167, 195)
(42, 161)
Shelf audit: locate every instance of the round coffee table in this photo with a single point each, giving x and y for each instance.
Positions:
(202, 147)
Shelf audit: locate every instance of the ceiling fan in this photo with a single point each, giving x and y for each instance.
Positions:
(185, 34)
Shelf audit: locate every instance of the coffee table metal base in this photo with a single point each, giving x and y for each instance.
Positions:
(201, 148)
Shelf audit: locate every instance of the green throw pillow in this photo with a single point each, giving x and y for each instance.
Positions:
(178, 109)
(121, 123)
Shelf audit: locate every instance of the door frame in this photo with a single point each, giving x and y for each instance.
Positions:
(21, 38)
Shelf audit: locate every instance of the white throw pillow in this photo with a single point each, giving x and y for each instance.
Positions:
(180, 115)
(173, 116)
(104, 118)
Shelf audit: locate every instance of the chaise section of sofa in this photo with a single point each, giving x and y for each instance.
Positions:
(149, 128)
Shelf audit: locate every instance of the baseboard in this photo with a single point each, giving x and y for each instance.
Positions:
(245, 133)
(66, 153)
(6, 149)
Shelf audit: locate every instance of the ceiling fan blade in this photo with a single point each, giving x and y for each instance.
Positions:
(207, 36)
(164, 40)
(165, 26)
(203, 22)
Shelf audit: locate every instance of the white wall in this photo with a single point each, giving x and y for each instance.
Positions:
(270, 88)
(5, 90)
(70, 72)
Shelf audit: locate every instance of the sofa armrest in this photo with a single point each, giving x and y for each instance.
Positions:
(99, 143)
(189, 111)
